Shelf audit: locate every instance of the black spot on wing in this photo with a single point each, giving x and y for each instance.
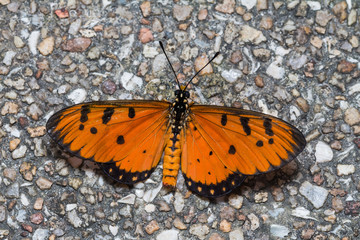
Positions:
(121, 140)
(271, 141)
(259, 143)
(85, 110)
(93, 130)
(232, 150)
(108, 112)
(223, 119)
(122, 176)
(131, 113)
(268, 125)
(215, 190)
(81, 127)
(245, 123)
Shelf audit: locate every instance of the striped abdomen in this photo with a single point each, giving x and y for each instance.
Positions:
(171, 163)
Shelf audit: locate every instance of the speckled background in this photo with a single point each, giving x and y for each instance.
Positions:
(298, 60)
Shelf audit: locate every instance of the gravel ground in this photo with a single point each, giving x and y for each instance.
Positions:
(298, 60)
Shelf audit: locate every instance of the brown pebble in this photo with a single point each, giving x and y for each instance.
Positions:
(303, 104)
(182, 12)
(226, 7)
(318, 179)
(13, 144)
(236, 56)
(27, 227)
(179, 224)
(266, 22)
(152, 227)
(338, 192)
(340, 11)
(62, 13)
(10, 173)
(145, 8)
(345, 66)
(216, 236)
(37, 218)
(202, 14)
(336, 145)
(145, 35)
(337, 204)
(307, 233)
(44, 183)
(225, 226)
(27, 170)
(352, 208)
(209, 34)
(259, 81)
(37, 131)
(278, 194)
(200, 62)
(247, 16)
(38, 205)
(227, 213)
(108, 87)
(76, 45)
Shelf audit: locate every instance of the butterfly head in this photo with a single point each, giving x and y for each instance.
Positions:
(182, 93)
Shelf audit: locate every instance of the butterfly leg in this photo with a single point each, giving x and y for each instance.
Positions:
(171, 160)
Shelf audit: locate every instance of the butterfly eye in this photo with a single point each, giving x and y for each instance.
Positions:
(177, 92)
(187, 94)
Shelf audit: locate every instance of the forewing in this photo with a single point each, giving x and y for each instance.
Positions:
(126, 138)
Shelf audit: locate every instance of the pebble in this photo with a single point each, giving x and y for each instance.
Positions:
(323, 152)
(345, 169)
(9, 108)
(252, 35)
(314, 194)
(94, 53)
(254, 220)
(352, 116)
(226, 7)
(3, 213)
(108, 87)
(130, 81)
(249, 4)
(225, 226)
(200, 62)
(231, 32)
(202, 15)
(182, 12)
(236, 201)
(236, 56)
(9, 173)
(41, 234)
(262, 54)
(340, 11)
(19, 152)
(266, 22)
(179, 202)
(74, 219)
(231, 75)
(236, 234)
(279, 231)
(352, 17)
(38, 205)
(9, 55)
(13, 190)
(323, 17)
(261, 197)
(37, 131)
(37, 218)
(79, 44)
(345, 66)
(150, 52)
(145, 8)
(145, 35)
(275, 70)
(199, 230)
(44, 183)
(297, 62)
(62, 13)
(168, 235)
(179, 224)
(77, 96)
(152, 227)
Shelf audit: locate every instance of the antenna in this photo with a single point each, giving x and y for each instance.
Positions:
(177, 80)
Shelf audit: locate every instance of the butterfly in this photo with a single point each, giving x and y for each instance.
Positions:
(215, 147)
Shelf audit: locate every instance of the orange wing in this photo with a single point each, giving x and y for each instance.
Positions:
(125, 138)
(222, 145)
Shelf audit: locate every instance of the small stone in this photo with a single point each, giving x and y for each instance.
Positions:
(168, 235)
(13, 190)
(10, 173)
(236, 201)
(279, 231)
(340, 11)
(94, 53)
(38, 205)
(344, 169)
(323, 152)
(297, 62)
(337, 204)
(14, 144)
(37, 218)
(352, 116)
(37, 131)
(352, 208)
(314, 194)
(145, 8)
(236, 56)
(307, 233)
(9, 108)
(13, 6)
(336, 145)
(62, 13)
(225, 226)
(76, 45)
(74, 27)
(9, 55)
(199, 230)
(74, 219)
(130, 82)
(145, 35)
(278, 194)
(182, 12)
(27, 170)
(316, 42)
(19, 152)
(323, 17)
(44, 183)
(4, 70)
(345, 66)
(111, 32)
(152, 227)
(226, 7)
(77, 96)
(19, 43)
(275, 69)
(200, 62)
(262, 54)
(252, 35)
(231, 75)
(261, 197)
(202, 14)
(179, 224)
(303, 104)
(108, 87)
(352, 17)
(231, 32)
(266, 22)
(46, 46)
(209, 34)
(254, 221)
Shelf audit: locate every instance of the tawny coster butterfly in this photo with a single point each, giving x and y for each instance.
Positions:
(216, 147)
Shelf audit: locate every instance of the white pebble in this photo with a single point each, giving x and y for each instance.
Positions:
(323, 152)
(279, 231)
(274, 70)
(344, 169)
(77, 96)
(150, 208)
(232, 75)
(314, 194)
(168, 235)
(9, 55)
(129, 81)
(33, 39)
